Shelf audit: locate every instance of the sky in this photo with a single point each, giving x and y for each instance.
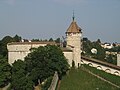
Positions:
(44, 19)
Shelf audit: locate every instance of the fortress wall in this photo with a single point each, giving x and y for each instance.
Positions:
(20, 51)
(69, 56)
(17, 55)
(19, 47)
(118, 59)
(102, 67)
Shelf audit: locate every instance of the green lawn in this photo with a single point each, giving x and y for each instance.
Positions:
(81, 80)
(110, 77)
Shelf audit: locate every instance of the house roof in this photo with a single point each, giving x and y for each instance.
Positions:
(73, 28)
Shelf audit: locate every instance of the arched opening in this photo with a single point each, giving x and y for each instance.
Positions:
(90, 64)
(116, 73)
(108, 70)
(99, 67)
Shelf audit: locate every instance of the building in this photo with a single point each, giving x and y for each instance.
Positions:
(107, 45)
(72, 51)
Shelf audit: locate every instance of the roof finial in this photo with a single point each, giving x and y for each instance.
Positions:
(73, 16)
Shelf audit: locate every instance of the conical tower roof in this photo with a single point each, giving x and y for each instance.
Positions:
(73, 28)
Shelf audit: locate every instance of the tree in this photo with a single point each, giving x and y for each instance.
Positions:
(3, 45)
(57, 40)
(5, 41)
(5, 73)
(42, 62)
(100, 51)
(35, 40)
(85, 39)
(50, 39)
(88, 45)
(111, 59)
(17, 38)
(98, 41)
(20, 78)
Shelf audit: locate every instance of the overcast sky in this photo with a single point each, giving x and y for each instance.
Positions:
(51, 18)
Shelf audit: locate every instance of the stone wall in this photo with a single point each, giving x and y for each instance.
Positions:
(74, 40)
(54, 82)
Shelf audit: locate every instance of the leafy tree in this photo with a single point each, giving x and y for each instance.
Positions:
(51, 39)
(98, 41)
(85, 39)
(17, 38)
(35, 40)
(111, 59)
(5, 41)
(100, 51)
(88, 45)
(57, 40)
(42, 62)
(3, 45)
(5, 74)
(20, 78)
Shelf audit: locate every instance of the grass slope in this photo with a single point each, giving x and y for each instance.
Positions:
(110, 77)
(77, 79)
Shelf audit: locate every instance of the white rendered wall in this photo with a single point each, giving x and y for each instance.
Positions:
(16, 55)
(118, 59)
(69, 57)
(102, 67)
(20, 51)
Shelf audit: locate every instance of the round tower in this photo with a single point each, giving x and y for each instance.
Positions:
(73, 39)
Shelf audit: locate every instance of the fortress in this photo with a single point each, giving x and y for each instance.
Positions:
(72, 51)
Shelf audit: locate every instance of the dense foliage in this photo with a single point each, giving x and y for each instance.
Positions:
(4, 42)
(38, 66)
(5, 68)
(44, 61)
(20, 79)
(101, 52)
(5, 73)
(88, 45)
(23, 75)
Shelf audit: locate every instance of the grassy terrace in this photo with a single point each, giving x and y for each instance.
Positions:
(110, 77)
(81, 80)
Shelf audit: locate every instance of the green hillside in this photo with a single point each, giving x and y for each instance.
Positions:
(79, 79)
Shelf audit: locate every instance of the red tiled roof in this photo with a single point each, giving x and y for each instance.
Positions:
(73, 28)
